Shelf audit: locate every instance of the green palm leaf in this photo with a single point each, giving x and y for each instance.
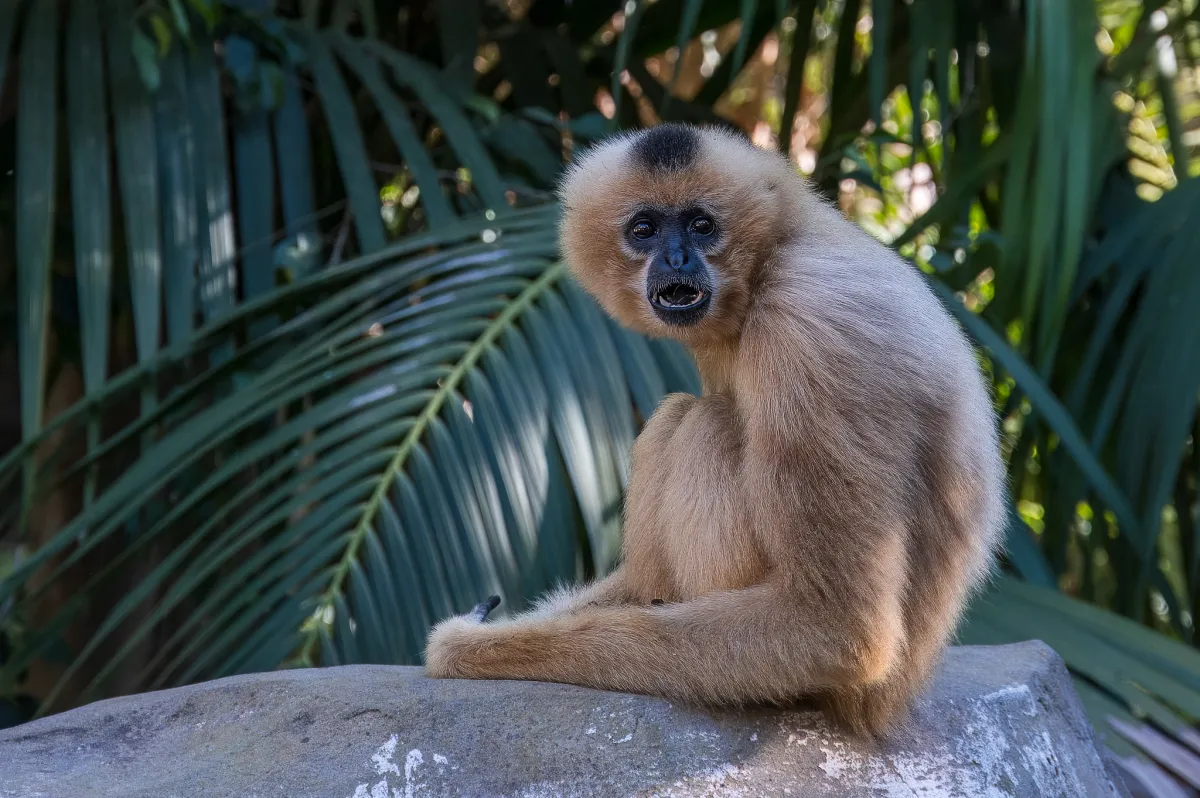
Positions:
(438, 442)
(37, 119)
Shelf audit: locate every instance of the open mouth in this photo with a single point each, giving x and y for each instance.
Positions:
(678, 296)
(679, 304)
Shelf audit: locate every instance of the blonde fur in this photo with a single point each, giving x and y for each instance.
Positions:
(817, 520)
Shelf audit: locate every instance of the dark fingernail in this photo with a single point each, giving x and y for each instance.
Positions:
(484, 608)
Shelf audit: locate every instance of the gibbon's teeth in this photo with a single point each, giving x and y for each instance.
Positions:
(694, 298)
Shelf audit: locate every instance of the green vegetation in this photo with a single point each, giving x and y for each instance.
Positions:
(296, 370)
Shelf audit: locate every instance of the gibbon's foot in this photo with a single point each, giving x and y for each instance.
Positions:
(483, 608)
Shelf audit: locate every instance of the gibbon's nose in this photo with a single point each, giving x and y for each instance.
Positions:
(677, 258)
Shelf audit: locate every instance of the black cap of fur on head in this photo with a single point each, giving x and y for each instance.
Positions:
(667, 148)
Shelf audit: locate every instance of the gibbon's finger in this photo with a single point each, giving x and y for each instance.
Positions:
(484, 608)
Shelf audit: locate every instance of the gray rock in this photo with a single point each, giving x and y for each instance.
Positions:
(998, 721)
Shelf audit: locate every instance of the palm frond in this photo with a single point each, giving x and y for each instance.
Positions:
(436, 444)
(1140, 689)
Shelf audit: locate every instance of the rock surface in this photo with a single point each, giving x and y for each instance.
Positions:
(997, 721)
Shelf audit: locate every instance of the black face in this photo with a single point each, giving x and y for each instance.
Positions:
(678, 282)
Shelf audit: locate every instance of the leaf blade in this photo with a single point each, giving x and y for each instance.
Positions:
(37, 124)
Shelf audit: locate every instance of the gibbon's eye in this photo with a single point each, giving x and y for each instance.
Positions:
(642, 229)
(703, 225)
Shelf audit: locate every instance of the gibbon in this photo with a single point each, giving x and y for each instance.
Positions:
(811, 527)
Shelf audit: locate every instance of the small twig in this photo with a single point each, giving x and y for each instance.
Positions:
(339, 245)
(967, 100)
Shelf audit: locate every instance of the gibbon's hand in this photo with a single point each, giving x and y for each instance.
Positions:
(453, 637)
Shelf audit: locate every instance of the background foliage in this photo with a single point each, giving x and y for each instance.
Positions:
(296, 370)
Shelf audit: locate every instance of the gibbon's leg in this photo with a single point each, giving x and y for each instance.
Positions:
(741, 646)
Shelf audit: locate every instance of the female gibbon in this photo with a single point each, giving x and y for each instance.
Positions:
(810, 527)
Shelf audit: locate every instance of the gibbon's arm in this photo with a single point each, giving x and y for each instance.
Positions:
(730, 647)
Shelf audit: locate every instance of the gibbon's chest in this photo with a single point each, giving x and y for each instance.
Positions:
(702, 518)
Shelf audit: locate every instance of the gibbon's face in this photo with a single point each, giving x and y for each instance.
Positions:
(667, 227)
(675, 243)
